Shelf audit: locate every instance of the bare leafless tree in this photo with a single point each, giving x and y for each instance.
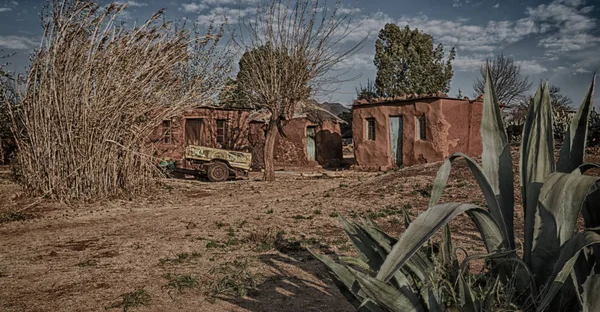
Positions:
(511, 84)
(95, 94)
(290, 49)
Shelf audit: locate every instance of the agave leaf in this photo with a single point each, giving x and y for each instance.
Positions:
(591, 297)
(418, 266)
(355, 261)
(502, 214)
(583, 168)
(496, 159)
(569, 254)
(386, 295)
(573, 149)
(342, 277)
(369, 250)
(561, 199)
(537, 159)
(428, 223)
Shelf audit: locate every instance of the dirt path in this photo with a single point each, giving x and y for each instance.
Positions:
(221, 237)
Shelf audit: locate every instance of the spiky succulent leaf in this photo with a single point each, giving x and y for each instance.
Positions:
(342, 277)
(369, 250)
(583, 168)
(573, 148)
(591, 297)
(503, 215)
(495, 158)
(561, 199)
(537, 159)
(563, 266)
(385, 295)
(428, 223)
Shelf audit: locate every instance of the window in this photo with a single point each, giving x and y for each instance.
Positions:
(167, 132)
(421, 128)
(371, 129)
(222, 131)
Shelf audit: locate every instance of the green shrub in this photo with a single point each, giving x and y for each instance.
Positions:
(558, 269)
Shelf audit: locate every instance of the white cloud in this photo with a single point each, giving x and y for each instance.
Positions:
(582, 71)
(16, 42)
(193, 7)
(497, 5)
(469, 63)
(132, 3)
(5, 9)
(361, 60)
(531, 67)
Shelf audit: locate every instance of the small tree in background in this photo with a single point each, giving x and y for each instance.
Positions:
(289, 49)
(367, 92)
(511, 84)
(408, 63)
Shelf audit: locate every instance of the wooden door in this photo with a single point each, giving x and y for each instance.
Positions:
(396, 140)
(193, 131)
(311, 143)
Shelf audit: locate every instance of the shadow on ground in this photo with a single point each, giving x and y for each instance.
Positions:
(296, 286)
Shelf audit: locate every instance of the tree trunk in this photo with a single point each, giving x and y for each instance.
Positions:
(271, 135)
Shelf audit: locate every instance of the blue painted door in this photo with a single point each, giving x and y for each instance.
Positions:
(311, 143)
(396, 140)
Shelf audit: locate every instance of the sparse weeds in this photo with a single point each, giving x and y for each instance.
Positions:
(334, 214)
(301, 217)
(317, 212)
(87, 263)
(136, 298)
(265, 240)
(180, 258)
(178, 283)
(230, 279)
(11, 216)
(270, 211)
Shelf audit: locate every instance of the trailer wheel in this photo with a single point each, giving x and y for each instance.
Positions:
(217, 172)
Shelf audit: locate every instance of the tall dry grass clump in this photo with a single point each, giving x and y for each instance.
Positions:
(96, 92)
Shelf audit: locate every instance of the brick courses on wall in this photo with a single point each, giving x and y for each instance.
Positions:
(452, 125)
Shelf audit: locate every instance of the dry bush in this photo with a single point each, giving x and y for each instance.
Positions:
(95, 94)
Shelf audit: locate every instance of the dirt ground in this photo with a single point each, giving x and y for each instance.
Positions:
(217, 238)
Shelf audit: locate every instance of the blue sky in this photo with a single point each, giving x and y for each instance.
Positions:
(554, 40)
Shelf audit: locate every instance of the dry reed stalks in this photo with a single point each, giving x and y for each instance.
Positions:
(97, 91)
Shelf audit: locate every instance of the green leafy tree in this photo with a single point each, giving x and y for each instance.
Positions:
(408, 63)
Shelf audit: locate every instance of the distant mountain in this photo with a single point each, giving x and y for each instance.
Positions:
(335, 108)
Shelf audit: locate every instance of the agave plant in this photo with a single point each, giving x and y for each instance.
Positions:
(557, 271)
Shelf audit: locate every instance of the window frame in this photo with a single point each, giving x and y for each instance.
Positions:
(371, 129)
(222, 125)
(421, 127)
(167, 131)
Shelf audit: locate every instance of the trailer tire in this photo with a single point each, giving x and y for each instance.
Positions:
(217, 172)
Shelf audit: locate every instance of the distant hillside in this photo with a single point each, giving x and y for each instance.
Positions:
(335, 108)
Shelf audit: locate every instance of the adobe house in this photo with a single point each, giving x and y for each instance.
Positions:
(206, 126)
(412, 130)
(312, 137)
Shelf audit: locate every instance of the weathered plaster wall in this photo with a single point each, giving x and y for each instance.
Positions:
(445, 135)
(464, 118)
(237, 131)
(291, 149)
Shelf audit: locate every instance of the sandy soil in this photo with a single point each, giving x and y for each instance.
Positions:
(85, 258)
